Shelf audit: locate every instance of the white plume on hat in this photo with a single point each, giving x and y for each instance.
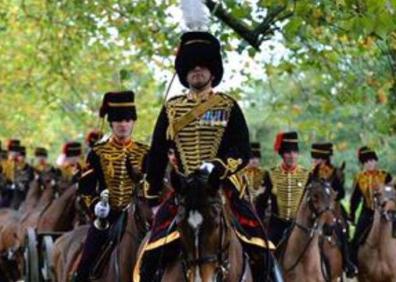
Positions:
(195, 14)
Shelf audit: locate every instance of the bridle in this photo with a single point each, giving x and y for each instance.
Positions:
(220, 257)
(388, 195)
(315, 227)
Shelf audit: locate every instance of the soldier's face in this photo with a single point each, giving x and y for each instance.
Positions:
(254, 162)
(290, 158)
(316, 162)
(199, 77)
(370, 164)
(41, 159)
(122, 129)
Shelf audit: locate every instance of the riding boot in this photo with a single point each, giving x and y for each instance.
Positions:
(261, 263)
(151, 268)
(155, 261)
(92, 247)
(348, 265)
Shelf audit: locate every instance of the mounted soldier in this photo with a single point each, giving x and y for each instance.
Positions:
(210, 137)
(367, 182)
(70, 164)
(254, 173)
(284, 187)
(114, 170)
(17, 174)
(321, 154)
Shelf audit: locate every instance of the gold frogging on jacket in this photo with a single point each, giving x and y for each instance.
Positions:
(197, 141)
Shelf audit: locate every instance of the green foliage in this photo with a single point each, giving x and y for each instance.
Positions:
(336, 81)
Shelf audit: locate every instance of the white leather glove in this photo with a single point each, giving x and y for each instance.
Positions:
(207, 166)
(102, 210)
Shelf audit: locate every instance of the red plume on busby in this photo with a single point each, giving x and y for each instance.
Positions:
(72, 149)
(92, 137)
(286, 142)
(278, 142)
(13, 144)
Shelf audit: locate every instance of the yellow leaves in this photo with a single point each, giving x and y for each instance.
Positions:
(317, 31)
(382, 96)
(368, 42)
(392, 40)
(383, 92)
(342, 146)
(296, 110)
(317, 13)
(343, 38)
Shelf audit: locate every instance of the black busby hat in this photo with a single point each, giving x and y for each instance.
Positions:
(21, 150)
(255, 150)
(199, 48)
(118, 106)
(92, 137)
(365, 154)
(321, 150)
(286, 142)
(13, 144)
(41, 152)
(72, 149)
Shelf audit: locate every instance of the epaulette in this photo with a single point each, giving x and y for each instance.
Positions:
(175, 99)
(142, 145)
(226, 96)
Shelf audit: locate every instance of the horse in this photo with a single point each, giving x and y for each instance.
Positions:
(331, 243)
(120, 262)
(376, 256)
(210, 250)
(302, 259)
(59, 215)
(11, 250)
(13, 231)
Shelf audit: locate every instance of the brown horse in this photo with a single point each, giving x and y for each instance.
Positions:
(377, 254)
(13, 231)
(11, 261)
(59, 215)
(210, 248)
(302, 258)
(331, 241)
(123, 257)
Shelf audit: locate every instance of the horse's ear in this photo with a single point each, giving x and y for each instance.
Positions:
(343, 165)
(315, 173)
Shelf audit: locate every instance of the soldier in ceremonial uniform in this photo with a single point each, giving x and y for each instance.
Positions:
(254, 173)
(3, 154)
(17, 174)
(321, 154)
(114, 168)
(366, 183)
(41, 160)
(70, 164)
(284, 187)
(209, 133)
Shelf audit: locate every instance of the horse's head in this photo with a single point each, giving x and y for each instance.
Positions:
(320, 199)
(385, 200)
(203, 226)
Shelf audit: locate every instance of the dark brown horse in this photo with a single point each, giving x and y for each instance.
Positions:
(377, 254)
(59, 215)
(210, 248)
(302, 258)
(120, 264)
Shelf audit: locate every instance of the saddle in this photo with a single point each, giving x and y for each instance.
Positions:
(115, 235)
